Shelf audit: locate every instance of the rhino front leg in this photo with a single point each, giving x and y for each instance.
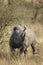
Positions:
(25, 52)
(23, 49)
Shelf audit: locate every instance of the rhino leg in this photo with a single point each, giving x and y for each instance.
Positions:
(21, 50)
(25, 52)
(33, 48)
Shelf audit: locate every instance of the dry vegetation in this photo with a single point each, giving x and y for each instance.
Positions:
(14, 12)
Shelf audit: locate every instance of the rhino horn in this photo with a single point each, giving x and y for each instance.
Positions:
(24, 29)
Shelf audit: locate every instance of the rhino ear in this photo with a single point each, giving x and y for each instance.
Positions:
(14, 28)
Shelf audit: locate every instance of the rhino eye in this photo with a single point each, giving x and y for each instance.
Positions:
(15, 28)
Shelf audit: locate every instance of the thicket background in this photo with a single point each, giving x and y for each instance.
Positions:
(27, 13)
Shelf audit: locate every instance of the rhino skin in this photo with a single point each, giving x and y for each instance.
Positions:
(22, 38)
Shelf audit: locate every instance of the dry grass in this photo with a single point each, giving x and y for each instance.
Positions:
(20, 12)
(18, 59)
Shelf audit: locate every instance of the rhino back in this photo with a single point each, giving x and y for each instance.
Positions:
(30, 37)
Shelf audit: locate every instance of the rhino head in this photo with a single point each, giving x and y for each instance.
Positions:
(21, 32)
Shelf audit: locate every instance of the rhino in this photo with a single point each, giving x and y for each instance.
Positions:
(22, 38)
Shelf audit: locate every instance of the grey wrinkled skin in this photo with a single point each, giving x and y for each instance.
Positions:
(22, 38)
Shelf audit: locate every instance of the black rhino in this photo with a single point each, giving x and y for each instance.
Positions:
(22, 38)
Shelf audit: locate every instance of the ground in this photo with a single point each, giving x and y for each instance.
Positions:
(20, 12)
